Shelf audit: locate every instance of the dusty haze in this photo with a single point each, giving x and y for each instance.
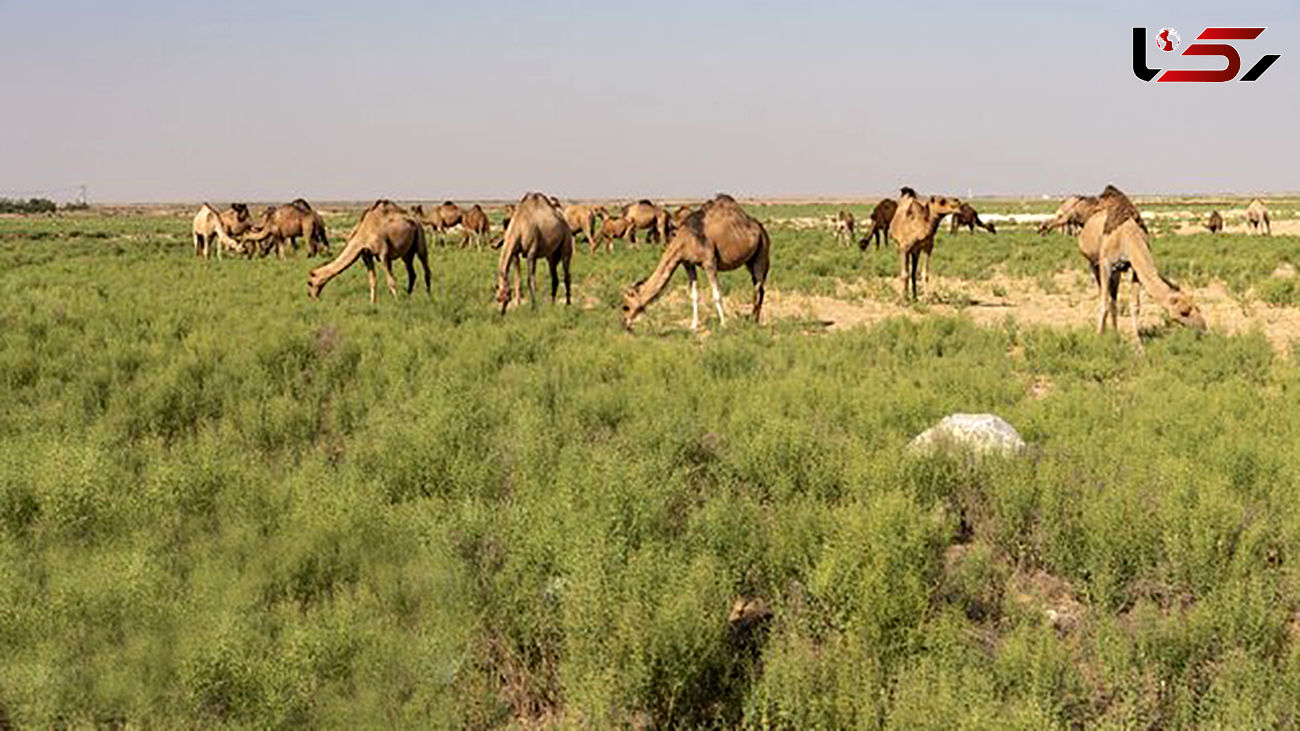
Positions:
(154, 101)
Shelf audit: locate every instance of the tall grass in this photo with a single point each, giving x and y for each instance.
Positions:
(222, 504)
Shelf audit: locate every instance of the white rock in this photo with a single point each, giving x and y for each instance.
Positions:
(978, 433)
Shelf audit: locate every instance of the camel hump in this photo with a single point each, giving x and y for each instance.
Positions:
(301, 205)
(1119, 209)
(644, 202)
(907, 192)
(448, 203)
(724, 198)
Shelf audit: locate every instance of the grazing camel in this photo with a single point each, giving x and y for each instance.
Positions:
(288, 222)
(537, 231)
(1071, 215)
(1114, 240)
(476, 226)
(610, 229)
(881, 216)
(645, 215)
(1215, 222)
(1257, 218)
(913, 228)
(581, 219)
(210, 232)
(385, 232)
(718, 237)
(844, 225)
(237, 219)
(966, 216)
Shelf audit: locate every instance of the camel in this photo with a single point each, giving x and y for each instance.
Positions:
(476, 225)
(610, 229)
(507, 211)
(1257, 218)
(289, 222)
(679, 215)
(913, 228)
(581, 219)
(844, 226)
(210, 232)
(237, 219)
(537, 231)
(1071, 215)
(385, 232)
(1114, 240)
(881, 216)
(966, 216)
(1215, 222)
(720, 236)
(645, 215)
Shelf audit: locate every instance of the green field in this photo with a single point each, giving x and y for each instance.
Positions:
(224, 504)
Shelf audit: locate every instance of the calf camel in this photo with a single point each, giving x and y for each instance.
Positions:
(476, 225)
(385, 232)
(288, 222)
(1113, 241)
(966, 216)
(537, 231)
(610, 229)
(581, 219)
(1215, 222)
(913, 228)
(1071, 215)
(1257, 218)
(844, 225)
(210, 232)
(645, 215)
(881, 216)
(718, 237)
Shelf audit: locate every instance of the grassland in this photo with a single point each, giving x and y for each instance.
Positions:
(222, 504)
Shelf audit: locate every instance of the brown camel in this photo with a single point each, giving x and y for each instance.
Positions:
(1071, 215)
(1114, 240)
(476, 225)
(1257, 218)
(881, 216)
(1215, 222)
(237, 219)
(210, 232)
(720, 236)
(385, 232)
(446, 217)
(844, 225)
(913, 228)
(288, 222)
(610, 229)
(537, 231)
(645, 215)
(581, 219)
(966, 216)
(679, 215)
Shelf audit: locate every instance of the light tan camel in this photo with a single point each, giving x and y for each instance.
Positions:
(844, 225)
(913, 228)
(1215, 222)
(966, 216)
(537, 231)
(1113, 241)
(1071, 215)
(210, 232)
(385, 232)
(237, 219)
(1257, 218)
(718, 237)
(645, 215)
(287, 223)
(581, 219)
(881, 216)
(476, 225)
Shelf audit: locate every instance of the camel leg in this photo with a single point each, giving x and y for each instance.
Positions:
(758, 273)
(369, 261)
(711, 271)
(914, 259)
(409, 261)
(424, 262)
(532, 281)
(198, 245)
(1136, 309)
(925, 273)
(695, 297)
(903, 259)
(568, 283)
(515, 264)
(555, 277)
(388, 275)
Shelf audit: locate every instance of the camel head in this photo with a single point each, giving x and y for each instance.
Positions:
(940, 205)
(1185, 312)
(315, 283)
(633, 305)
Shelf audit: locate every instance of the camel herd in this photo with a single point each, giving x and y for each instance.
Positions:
(717, 236)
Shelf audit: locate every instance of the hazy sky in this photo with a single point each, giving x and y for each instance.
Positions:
(177, 101)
